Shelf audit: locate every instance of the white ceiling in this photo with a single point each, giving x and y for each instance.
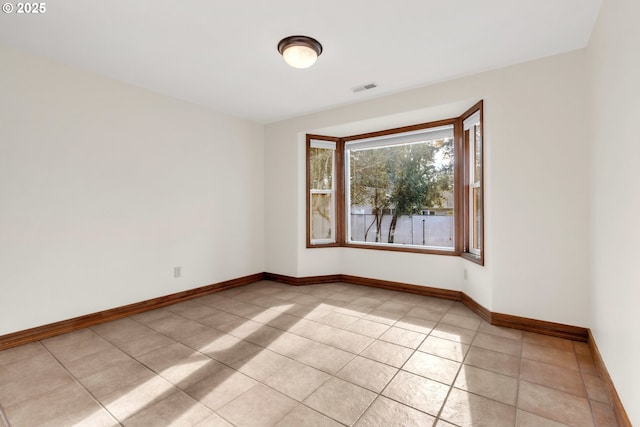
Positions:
(222, 54)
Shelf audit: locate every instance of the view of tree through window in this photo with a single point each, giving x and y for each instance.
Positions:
(416, 188)
(402, 193)
(321, 163)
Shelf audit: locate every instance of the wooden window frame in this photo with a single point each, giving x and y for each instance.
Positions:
(338, 191)
(422, 126)
(467, 158)
(461, 189)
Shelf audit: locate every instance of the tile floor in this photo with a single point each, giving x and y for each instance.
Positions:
(269, 354)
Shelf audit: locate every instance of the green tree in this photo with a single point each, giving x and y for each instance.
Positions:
(321, 174)
(406, 178)
(418, 180)
(370, 185)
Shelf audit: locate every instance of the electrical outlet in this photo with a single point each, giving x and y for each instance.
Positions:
(464, 272)
(177, 272)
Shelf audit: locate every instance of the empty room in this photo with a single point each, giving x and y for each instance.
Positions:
(412, 213)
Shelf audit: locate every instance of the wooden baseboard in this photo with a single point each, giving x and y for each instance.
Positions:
(301, 281)
(473, 305)
(499, 319)
(618, 409)
(364, 281)
(402, 287)
(47, 331)
(559, 330)
(575, 333)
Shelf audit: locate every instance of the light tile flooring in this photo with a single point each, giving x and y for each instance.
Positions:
(325, 355)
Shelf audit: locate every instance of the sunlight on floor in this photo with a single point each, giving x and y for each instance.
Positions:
(139, 398)
(328, 354)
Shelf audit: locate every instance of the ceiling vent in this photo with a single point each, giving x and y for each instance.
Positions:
(362, 88)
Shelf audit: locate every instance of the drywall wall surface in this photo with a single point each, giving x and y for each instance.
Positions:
(412, 268)
(536, 199)
(615, 201)
(285, 198)
(281, 188)
(539, 172)
(105, 188)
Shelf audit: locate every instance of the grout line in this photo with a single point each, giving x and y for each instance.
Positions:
(552, 387)
(285, 415)
(519, 378)
(259, 382)
(399, 369)
(584, 385)
(375, 399)
(462, 364)
(334, 375)
(451, 387)
(3, 418)
(323, 414)
(78, 381)
(414, 352)
(178, 388)
(182, 390)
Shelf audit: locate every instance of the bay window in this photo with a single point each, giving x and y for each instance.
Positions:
(417, 188)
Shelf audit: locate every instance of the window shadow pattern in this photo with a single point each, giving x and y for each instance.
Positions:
(274, 354)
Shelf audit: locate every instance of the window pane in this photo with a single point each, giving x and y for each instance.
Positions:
(477, 218)
(321, 211)
(403, 194)
(321, 163)
(477, 155)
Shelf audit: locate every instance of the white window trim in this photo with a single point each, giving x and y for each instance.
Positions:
(469, 124)
(414, 137)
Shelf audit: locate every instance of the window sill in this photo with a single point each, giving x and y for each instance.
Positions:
(410, 249)
(402, 248)
(477, 259)
(323, 245)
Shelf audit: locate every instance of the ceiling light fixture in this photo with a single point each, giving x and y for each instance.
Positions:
(299, 51)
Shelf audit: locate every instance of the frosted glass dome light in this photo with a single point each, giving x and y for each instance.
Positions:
(299, 51)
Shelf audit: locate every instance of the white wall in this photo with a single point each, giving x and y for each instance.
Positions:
(539, 185)
(536, 193)
(615, 202)
(105, 187)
